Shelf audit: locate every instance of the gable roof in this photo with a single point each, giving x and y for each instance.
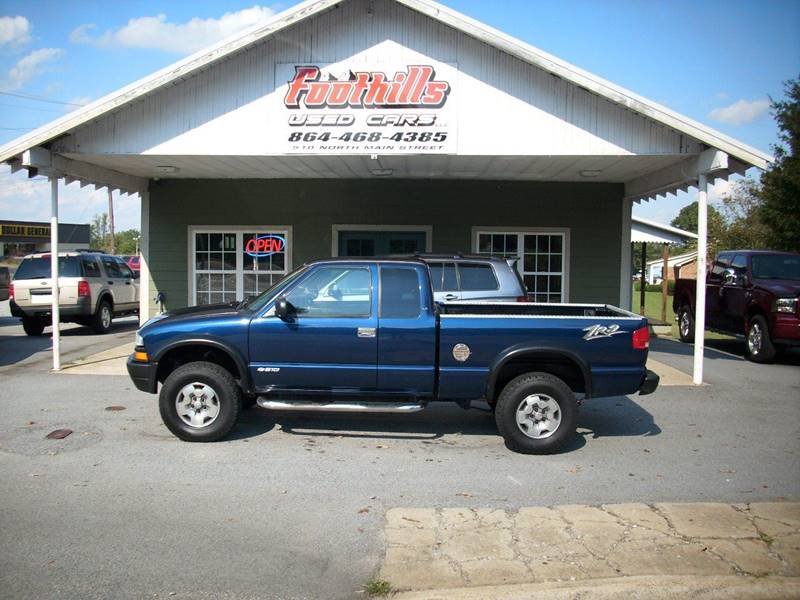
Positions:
(645, 230)
(517, 48)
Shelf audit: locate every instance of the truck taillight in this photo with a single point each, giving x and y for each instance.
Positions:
(83, 288)
(10, 291)
(641, 338)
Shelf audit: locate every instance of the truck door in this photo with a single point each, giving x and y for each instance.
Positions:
(734, 297)
(406, 332)
(330, 343)
(715, 292)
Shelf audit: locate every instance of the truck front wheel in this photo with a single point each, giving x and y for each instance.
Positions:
(200, 402)
(536, 413)
(759, 346)
(685, 324)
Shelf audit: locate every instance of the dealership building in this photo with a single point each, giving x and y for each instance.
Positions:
(369, 127)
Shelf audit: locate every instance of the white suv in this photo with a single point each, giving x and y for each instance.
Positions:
(93, 289)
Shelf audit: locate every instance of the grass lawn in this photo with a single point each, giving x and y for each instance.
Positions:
(652, 310)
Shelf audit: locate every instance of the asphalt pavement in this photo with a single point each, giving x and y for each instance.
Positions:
(293, 506)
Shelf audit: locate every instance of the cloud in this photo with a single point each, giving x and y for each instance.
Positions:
(14, 31)
(80, 35)
(157, 33)
(29, 200)
(31, 65)
(740, 112)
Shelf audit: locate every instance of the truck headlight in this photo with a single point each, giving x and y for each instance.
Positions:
(139, 340)
(785, 305)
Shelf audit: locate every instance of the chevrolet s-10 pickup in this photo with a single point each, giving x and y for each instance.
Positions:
(365, 335)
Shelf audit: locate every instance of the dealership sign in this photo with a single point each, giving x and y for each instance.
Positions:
(341, 109)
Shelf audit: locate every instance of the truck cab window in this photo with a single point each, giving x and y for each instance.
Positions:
(400, 297)
(333, 292)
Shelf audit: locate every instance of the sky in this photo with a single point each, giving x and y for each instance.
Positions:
(718, 62)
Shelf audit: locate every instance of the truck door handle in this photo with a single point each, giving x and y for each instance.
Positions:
(450, 297)
(366, 332)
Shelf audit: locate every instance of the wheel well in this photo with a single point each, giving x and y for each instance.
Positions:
(106, 296)
(195, 352)
(559, 365)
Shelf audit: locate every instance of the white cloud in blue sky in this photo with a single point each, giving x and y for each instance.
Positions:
(158, 33)
(14, 31)
(741, 112)
(29, 66)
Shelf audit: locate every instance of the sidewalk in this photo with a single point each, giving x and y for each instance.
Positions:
(750, 551)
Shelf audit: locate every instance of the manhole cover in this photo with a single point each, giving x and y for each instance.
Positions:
(34, 439)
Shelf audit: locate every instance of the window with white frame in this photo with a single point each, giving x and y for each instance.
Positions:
(229, 264)
(541, 259)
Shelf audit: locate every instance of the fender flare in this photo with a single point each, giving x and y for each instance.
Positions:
(234, 354)
(515, 351)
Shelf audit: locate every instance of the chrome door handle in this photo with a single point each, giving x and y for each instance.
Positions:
(366, 332)
(450, 297)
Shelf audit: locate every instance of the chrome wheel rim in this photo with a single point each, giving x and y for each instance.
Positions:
(538, 416)
(197, 405)
(755, 338)
(685, 324)
(105, 316)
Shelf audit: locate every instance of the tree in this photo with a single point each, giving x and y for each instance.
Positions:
(687, 220)
(100, 236)
(742, 210)
(99, 233)
(781, 181)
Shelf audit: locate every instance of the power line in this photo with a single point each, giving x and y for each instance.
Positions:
(22, 107)
(38, 98)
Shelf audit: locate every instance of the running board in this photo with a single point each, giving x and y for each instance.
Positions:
(350, 407)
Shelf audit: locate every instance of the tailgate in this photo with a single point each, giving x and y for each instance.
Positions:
(35, 292)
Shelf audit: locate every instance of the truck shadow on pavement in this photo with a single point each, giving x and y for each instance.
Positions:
(598, 418)
(721, 349)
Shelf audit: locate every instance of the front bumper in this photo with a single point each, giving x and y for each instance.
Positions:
(649, 383)
(143, 375)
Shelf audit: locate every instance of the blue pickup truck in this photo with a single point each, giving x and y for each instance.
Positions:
(344, 335)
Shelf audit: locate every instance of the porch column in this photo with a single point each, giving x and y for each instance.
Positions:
(700, 283)
(144, 261)
(54, 307)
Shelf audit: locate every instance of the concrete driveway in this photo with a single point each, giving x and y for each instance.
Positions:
(293, 506)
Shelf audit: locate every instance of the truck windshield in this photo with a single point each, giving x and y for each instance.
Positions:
(256, 303)
(776, 266)
(39, 268)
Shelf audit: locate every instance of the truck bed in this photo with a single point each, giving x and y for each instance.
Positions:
(597, 335)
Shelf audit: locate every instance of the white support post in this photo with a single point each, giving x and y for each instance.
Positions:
(56, 313)
(144, 261)
(700, 290)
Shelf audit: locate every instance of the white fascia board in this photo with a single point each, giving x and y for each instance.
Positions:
(666, 228)
(593, 83)
(163, 77)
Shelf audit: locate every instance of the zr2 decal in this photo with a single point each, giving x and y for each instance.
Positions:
(601, 331)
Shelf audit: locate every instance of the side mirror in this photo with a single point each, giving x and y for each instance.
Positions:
(284, 309)
(732, 277)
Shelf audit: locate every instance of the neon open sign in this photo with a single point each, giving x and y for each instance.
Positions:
(265, 245)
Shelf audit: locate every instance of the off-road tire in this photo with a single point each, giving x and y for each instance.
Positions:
(33, 326)
(765, 351)
(228, 393)
(515, 392)
(98, 322)
(685, 334)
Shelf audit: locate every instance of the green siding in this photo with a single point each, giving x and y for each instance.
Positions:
(592, 212)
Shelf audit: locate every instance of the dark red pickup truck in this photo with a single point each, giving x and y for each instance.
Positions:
(752, 293)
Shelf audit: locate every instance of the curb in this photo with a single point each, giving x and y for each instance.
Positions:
(718, 587)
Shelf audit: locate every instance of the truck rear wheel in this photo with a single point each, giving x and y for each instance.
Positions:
(685, 324)
(200, 402)
(33, 326)
(759, 345)
(536, 413)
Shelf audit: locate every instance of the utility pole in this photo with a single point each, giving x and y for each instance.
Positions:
(111, 221)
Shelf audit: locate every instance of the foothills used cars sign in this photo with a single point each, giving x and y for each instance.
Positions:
(336, 109)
